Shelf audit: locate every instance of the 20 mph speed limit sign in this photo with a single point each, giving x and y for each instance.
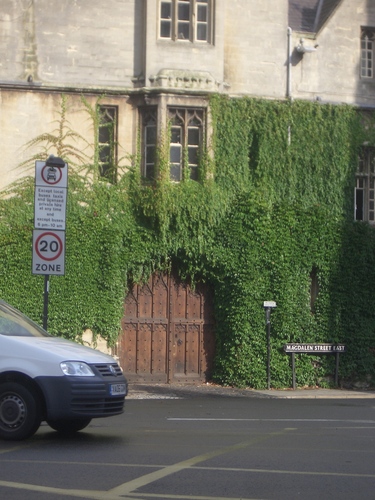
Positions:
(48, 252)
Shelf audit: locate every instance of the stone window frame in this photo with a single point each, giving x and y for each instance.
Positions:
(149, 127)
(367, 53)
(186, 20)
(164, 106)
(364, 191)
(107, 142)
(187, 133)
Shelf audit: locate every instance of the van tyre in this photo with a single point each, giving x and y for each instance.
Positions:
(20, 412)
(69, 426)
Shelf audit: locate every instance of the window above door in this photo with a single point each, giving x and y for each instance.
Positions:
(186, 141)
(186, 20)
(186, 132)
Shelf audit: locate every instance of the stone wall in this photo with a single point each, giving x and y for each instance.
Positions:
(332, 72)
(112, 48)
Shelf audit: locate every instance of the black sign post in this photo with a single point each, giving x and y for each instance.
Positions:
(268, 306)
(45, 301)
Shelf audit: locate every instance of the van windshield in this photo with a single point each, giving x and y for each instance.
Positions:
(15, 324)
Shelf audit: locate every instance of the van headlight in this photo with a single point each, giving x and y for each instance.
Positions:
(76, 369)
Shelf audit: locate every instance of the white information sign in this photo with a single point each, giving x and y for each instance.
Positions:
(50, 176)
(50, 196)
(49, 208)
(48, 252)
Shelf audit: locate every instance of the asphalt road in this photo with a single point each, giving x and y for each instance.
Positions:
(219, 445)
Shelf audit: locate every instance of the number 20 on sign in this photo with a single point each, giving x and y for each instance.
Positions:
(48, 252)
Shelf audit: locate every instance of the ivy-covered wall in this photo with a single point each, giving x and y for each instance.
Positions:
(275, 204)
(290, 170)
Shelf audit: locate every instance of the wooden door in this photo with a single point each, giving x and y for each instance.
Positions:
(168, 333)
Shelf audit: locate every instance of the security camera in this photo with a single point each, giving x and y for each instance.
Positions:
(302, 48)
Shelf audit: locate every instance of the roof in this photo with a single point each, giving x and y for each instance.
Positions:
(309, 16)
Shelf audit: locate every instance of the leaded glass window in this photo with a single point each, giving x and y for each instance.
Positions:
(186, 141)
(186, 20)
(365, 186)
(107, 141)
(367, 52)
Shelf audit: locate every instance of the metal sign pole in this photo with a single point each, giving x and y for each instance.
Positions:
(268, 326)
(45, 308)
(293, 371)
(268, 306)
(337, 369)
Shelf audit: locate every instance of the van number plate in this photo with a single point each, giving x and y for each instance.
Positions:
(117, 389)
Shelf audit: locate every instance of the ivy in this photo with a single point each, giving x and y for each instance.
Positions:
(274, 202)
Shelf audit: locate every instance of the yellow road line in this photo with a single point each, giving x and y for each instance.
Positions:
(127, 491)
(16, 448)
(141, 481)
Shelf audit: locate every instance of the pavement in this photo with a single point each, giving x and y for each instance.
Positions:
(175, 391)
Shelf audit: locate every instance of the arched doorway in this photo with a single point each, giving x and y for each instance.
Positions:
(167, 332)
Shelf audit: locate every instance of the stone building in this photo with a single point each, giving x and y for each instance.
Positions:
(150, 64)
(158, 60)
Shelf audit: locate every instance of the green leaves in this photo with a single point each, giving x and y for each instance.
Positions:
(274, 208)
(291, 212)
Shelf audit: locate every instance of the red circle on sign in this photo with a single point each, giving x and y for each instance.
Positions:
(59, 242)
(51, 175)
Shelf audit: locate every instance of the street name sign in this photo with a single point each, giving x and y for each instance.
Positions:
(315, 348)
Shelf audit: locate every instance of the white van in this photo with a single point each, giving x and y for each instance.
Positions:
(47, 378)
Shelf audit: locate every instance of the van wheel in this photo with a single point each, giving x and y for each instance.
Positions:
(69, 426)
(20, 412)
